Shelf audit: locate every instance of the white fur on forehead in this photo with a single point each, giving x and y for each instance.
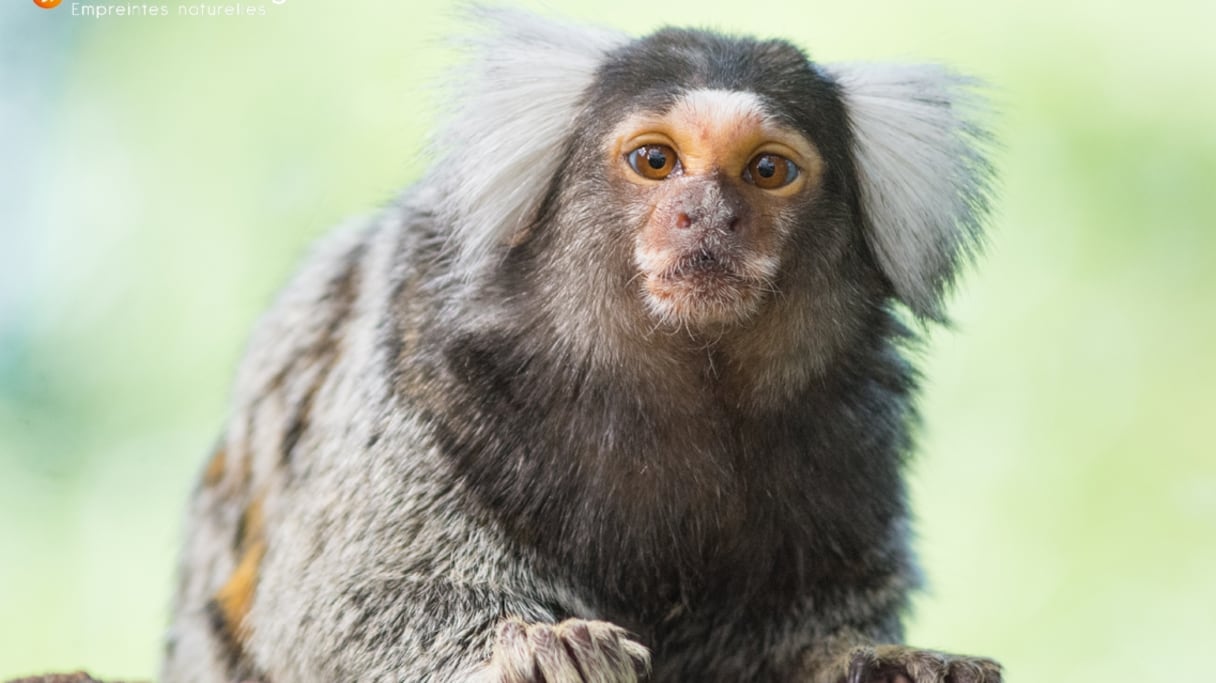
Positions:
(723, 105)
(514, 102)
(925, 181)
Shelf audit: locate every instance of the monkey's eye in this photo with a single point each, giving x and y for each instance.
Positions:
(655, 162)
(770, 171)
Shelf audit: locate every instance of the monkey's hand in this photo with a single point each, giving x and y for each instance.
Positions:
(574, 651)
(901, 664)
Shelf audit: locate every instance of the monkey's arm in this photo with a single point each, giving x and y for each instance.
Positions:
(404, 630)
(404, 581)
(499, 628)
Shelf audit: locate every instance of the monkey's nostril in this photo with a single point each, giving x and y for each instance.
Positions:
(683, 221)
(733, 223)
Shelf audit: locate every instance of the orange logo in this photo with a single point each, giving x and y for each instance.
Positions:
(47, 4)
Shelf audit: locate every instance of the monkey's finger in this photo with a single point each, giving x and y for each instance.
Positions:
(974, 670)
(866, 665)
(919, 665)
(552, 658)
(584, 651)
(512, 660)
(603, 651)
(861, 662)
(638, 654)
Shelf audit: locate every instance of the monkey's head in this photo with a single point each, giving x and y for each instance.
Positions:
(710, 183)
(714, 186)
(728, 158)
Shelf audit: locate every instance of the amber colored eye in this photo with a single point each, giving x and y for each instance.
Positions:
(770, 171)
(655, 162)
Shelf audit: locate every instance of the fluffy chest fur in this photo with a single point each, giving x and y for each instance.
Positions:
(653, 493)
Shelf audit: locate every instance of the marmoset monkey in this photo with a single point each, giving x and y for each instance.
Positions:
(614, 393)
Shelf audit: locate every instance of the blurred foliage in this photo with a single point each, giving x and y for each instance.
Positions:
(160, 176)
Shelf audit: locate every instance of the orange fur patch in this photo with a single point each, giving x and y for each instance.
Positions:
(235, 598)
(216, 467)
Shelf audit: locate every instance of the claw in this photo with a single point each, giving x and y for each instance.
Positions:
(860, 662)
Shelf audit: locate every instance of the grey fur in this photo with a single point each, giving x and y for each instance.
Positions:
(463, 448)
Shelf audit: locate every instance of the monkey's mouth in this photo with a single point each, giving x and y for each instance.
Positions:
(702, 286)
(702, 263)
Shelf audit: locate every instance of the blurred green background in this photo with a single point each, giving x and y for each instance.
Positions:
(159, 177)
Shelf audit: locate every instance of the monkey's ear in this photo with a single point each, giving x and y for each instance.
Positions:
(512, 104)
(925, 179)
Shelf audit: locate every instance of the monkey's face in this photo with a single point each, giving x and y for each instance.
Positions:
(772, 207)
(715, 184)
(705, 185)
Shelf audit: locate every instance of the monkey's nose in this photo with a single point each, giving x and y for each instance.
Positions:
(726, 223)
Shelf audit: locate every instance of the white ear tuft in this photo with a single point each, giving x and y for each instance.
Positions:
(925, 179)
(513, 103)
